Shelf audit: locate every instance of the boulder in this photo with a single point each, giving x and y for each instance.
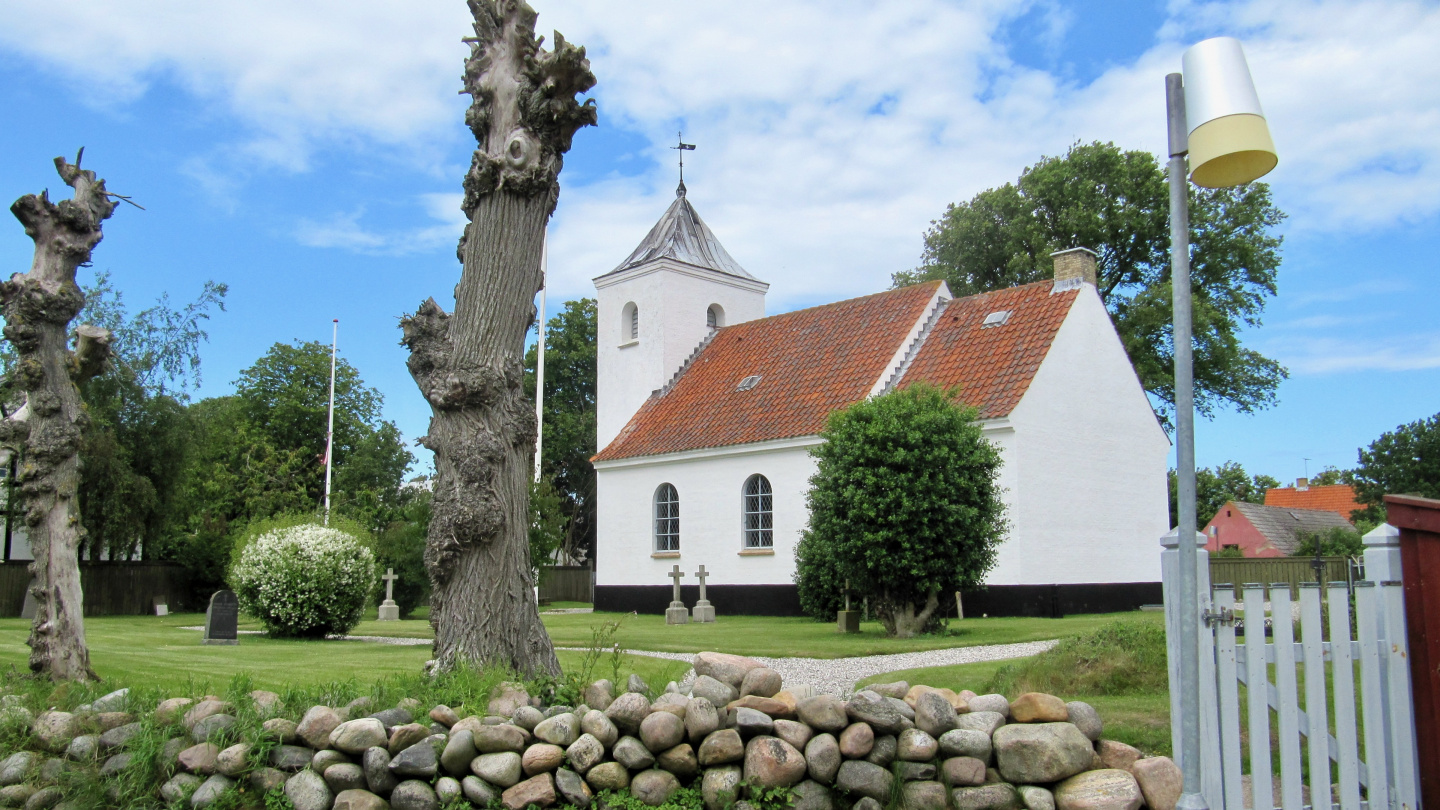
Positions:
(926, 795)
(680, 760)
(823, 713)
(1107, 789)
(448, 790)
(793, 732)
(398, 716)
(1038, 707)
(506, 697)
(289, 758)
(572, 789)
(718, 693)
(376, 763)
(913, 771)
(405, 735)
(772, 762)
(1035, 797)
(542, 758)
(204, 796)
(883, 752)
(599, 694)
(278, 728)
(914, 745)
(633, 754)
(444, 715)
(653, 787)
(721, 747)
(1160, 780)
(761, 681)
(864, 779)
(1085, 718)
(419, 761)
(895, 689)
(597, 725)
(478, 792)
(672, 702)
(413, 794)
(585, 753)
(1118, 755)
(637, 684)
(866, 803)
(986, 797)
(902, 707)
(344, 776)
(822, 758)
(179, 786)
(963, 771)
(770, 706)
(84, 748)
(204, 709)
(502, 769)
(869, 707)
(307, 791)
(359, 800)
(964, 742)
(720, 786)
(315, 726)
(628, 711)
(857, 740)
(661, 730)
(200, 758)
(112, 767)
(267, 704)
(527, 717)
(264, 780)
(986, 722)
(608, 776)
(213, 727)
(459, 750)
(1034, 753)
(326, 758)
(990, 703)
(170, 709)
(730, 669)
(54, 730)
(561, 730)
(114, 702)
(752, 722)
(17, 795)
(933, 714)
(105, 720)
(495, 739)
(701, 719)
(358, 736)
(233, 761)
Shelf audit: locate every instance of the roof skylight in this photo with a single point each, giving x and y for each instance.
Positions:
(748, 383)
(997, 318)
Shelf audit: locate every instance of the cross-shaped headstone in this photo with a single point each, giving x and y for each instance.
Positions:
(676, 574)
(390, 583)
(702, 573)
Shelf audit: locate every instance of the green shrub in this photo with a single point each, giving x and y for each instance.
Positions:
(1121, 658)
(304, 581)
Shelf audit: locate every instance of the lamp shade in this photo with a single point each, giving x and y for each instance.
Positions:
(1230, 142)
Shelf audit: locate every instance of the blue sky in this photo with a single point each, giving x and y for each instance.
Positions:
(310, 155)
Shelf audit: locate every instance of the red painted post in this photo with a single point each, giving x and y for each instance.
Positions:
(1418, 520)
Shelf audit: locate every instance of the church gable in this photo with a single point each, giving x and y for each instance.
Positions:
(775, 378)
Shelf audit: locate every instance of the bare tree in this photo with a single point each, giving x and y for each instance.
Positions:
(46, 431)
(523, 113)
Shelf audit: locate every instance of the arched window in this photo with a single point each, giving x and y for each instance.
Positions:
(757, 515)
(630, 322)
(667, 518)
(714, 317)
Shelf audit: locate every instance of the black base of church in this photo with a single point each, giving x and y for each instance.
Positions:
(1051, 601)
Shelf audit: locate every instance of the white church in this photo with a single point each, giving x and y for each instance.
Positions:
(707, 409)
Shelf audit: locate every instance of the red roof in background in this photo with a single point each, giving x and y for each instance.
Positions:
(993, 365)
(1337, 498)
(811, 362)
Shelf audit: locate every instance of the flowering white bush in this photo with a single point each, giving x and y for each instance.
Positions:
(306, 581)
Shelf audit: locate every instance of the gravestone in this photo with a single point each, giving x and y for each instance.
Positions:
(676, 613)
(27, 610)
(162, 606)
(222, 619)
(847, 620)
(389, 611)
(703, 611)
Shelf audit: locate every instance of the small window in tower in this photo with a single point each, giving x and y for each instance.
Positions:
(629, 324)
(999, 318)
(748, 383)
(714, 317)
(634, 323)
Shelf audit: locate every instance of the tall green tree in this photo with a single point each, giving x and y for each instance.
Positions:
(1404, 461)
(1116, 203)
(1213, 487)
(904, 506)
(569, 419)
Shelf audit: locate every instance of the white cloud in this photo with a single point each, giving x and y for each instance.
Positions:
(344, 231)
(1329, 355)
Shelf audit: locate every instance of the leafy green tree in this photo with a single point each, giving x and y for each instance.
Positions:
(1227, 482)
(569, 419)
(401, 546)
(904, 505)
(547, 526)
(1116, 203)
(1329, 477)
(1404, 461)
(1337, 541)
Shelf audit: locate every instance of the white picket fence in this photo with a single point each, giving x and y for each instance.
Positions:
(1370, 755)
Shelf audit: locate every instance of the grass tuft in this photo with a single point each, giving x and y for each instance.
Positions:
(1120, 658)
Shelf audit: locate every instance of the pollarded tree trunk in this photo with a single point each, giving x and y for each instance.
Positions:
(46, 431)
(900, 618)
(469, 364)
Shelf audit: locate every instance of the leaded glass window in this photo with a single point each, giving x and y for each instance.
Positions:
(667, 518)
(758, 514)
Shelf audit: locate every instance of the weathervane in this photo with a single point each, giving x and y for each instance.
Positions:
(680, 190)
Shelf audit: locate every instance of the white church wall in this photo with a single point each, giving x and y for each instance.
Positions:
(1089, 464)
(709, 487)
(672, 299)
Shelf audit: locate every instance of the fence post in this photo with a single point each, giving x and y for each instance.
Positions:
(1382, 553)
(1212, 784)
(1417, 521)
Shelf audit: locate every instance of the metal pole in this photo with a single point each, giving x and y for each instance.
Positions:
(1190, 798)
(330, 428)
(540, 355)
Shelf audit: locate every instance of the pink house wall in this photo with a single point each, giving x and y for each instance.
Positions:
(1231, 528)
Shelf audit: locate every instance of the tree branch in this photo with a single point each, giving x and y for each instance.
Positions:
(92, 351)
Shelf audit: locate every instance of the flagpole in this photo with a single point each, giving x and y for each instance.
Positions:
(540, 355)
(330, 428)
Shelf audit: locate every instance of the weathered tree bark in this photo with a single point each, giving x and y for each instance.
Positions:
(38, 307)
(900, 618)
(469, 365)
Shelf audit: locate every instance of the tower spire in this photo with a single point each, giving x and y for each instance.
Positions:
(682, 148)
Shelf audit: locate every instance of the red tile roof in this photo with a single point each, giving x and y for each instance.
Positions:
(1337, 498)
(810, 362)
(992, 365)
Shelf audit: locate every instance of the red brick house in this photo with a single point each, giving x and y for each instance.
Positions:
(1264, 530)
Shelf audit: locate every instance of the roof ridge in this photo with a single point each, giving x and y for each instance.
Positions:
(674, 378)
(843, 301)
(915, 345)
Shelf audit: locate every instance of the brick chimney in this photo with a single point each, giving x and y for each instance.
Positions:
(1302, 484)
(1073, 265)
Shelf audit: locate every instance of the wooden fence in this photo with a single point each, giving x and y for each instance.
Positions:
(1236, 571)
(567, 583)
(111, 588)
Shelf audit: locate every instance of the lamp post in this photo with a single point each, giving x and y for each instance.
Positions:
(1229, 144)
